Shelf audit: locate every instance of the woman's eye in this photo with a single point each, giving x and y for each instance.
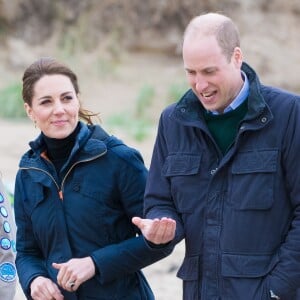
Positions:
(45, 102)
(67, 98)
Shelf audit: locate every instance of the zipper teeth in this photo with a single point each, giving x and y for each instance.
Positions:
(41, 170)
(60, 189)
(81, 161)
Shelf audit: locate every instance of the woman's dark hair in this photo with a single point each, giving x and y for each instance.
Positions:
(50, 66)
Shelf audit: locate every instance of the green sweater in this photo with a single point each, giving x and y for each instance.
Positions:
(224, 127)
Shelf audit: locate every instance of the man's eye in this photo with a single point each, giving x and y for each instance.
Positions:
(209, 71)
(190, 72)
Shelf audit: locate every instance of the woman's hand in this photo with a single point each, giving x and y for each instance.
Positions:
(74, 272)
(157, 231)
(43, 288)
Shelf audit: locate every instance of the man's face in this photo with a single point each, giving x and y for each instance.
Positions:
(215, 80)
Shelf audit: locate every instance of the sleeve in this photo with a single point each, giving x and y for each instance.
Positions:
(28, 260)
(158, 201)
(132, 254)
(286, 275)
(8, 273)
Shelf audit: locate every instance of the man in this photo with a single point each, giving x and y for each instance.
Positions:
(225, 173)
(7, 248)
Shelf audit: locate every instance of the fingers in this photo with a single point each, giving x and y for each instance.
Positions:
(157, 231)
(74, 272)
(65, 277)
(168, 229)
(162, 232)
(57, 295)
(71, 285)
(43, 288)
(137, 221)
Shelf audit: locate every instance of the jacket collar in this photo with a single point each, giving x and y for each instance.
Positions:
(190, 111)
(256, 102)
(89, 143)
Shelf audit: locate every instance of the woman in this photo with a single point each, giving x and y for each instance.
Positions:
(76, 192)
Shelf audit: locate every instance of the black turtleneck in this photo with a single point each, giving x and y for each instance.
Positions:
(58, 150)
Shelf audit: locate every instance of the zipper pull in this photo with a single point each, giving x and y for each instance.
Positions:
(60, 194)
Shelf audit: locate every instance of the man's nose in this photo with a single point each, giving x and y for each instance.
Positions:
(200, 84)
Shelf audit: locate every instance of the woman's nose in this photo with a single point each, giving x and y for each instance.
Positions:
(58, 107)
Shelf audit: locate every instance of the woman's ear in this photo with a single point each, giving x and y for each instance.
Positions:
(28, 110)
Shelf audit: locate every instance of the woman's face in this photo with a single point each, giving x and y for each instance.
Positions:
(55, 106)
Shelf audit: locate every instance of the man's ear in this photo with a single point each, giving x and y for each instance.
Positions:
(238, 56)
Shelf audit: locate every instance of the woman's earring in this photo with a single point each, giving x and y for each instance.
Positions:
(34, 122)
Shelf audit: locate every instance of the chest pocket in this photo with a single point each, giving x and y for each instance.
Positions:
(252, 180)
(35, 197)
(182, 171)
(181, 165)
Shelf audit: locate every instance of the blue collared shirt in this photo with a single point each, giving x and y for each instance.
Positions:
(240, 98)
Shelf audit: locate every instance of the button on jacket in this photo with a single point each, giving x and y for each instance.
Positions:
(240, 212)
(88, 214)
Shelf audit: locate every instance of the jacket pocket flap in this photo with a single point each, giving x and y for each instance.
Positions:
(181, 164)
(247, 265)
(189, 269)
(34, 196)
(255, 161)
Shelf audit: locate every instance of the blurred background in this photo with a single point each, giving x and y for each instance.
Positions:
(127, 55)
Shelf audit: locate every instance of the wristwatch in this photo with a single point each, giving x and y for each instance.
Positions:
(273, 296)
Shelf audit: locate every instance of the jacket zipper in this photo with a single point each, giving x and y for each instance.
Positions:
(41, 170)
(70, 169)
(60, 189)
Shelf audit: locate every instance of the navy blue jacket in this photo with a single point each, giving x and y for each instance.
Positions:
(240, 212)
(88, 214)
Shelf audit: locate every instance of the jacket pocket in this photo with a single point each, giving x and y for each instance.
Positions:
(189, 270)
(34, 199)
(245, 276)
(189, 273)
(182, 172)
(181, 165)
(252, 180)
(234, 265)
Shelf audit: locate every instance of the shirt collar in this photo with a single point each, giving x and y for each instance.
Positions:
(240, 98)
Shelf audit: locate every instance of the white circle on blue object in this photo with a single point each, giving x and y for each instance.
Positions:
(5, 243)
(8, 272)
